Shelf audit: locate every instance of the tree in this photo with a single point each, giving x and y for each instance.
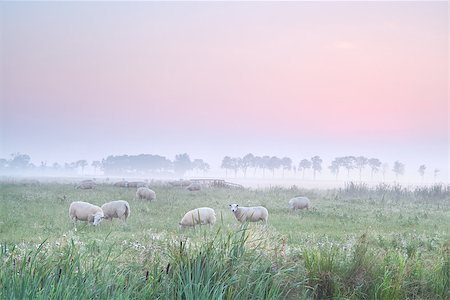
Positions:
(335, 166)
(246, 162)
(236, 163)
(348, 162)
(316, 165)
(385, 169)
(264, 163)
(421, 171)
(286, 163)
(82, 164)
(200, 165)
(3, 163)
(226, 164)
(361, 163)
(182, 164)
(398, 169)
(374, 164)
(436, 172)
(19, 161)
(96, 164)
(303, 165)
(273, 163)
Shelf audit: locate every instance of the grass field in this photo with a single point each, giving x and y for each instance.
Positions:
(353, 244)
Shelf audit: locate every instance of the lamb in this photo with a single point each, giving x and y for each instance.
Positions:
(250, 214)
(202, 215)
(299, 203)
(194, 187)
(145, 193)
(84, 211)
(116, 209)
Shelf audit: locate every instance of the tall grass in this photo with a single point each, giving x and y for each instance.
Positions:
(221, 267)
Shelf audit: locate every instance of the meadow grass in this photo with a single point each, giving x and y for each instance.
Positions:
(352, 244)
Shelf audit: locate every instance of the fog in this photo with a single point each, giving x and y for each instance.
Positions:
(85, 81)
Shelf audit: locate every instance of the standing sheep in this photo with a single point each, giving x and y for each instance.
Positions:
(145, 193)
(83, 211)
(202, 215)
(299, 203)
(250, 214)
(116, 209)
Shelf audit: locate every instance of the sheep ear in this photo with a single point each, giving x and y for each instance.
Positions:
(237, 205)
(229, 205)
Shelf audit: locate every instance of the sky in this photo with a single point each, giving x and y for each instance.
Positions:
(84, 80)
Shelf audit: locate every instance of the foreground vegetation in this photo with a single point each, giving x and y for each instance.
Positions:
(355, 243)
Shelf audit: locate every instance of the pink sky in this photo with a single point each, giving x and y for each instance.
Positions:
(343, 75)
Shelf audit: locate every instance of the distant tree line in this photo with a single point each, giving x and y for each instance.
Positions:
(144, 164)
(274, 164)
(141, 164)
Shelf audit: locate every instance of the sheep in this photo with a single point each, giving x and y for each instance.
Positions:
(137, 184)
(122, 183)
(250, 214)
(180, 183)
(84, 211)
(299, 203)
(116, 209)
(86, 185)
(194, 187)
(202, 215)
(145, 193)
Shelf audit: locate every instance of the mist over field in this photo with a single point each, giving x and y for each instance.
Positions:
(224, 150)
(82, 81)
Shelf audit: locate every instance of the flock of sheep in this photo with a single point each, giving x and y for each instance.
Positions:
(84, 211)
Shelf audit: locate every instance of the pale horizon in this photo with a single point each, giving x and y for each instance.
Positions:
(86, 80)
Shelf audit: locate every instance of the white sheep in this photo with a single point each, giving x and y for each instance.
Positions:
(116, 209)
(202, 215)
(122, 183)
(86, 184)
(194, 187)
(299, 203)
(83, 211)
(137, 184)
(145, 193)
(250, 214)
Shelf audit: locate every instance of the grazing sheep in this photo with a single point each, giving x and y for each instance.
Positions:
(86, 184)
(116, 209)
(83, 211)
(202, 215)
(299, 203)
(122, 183)
(145, 193)
(137, 184)
(194, 187)
(180, 183)
(250, 214)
